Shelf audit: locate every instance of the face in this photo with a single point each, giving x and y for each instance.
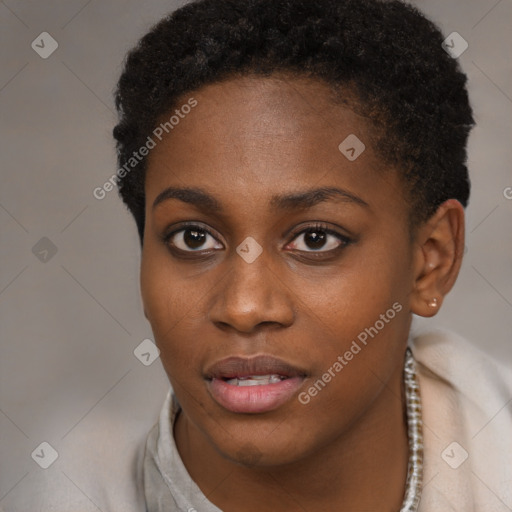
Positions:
(276, 272)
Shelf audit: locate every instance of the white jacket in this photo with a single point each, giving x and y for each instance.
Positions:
(467, 429)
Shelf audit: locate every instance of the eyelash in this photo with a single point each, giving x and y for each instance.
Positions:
(344, 240)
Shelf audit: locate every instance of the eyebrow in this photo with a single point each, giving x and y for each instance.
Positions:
(296, 200)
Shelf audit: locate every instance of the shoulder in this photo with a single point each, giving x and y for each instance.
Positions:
(467, 419)
(107, 463)
(472, 372)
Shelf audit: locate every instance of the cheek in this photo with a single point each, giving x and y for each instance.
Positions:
(174, 304)
(158, 293)
(361, 314)
(354, 295)
(164, 299)
(359, 327)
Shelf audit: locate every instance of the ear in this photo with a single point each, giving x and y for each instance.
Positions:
(438, 250)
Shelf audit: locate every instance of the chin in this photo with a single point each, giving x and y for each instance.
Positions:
(251, 456)
(259, 449)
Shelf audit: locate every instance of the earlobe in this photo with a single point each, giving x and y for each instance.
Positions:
(438, 251)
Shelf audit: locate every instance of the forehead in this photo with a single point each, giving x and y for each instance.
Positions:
(249, 138)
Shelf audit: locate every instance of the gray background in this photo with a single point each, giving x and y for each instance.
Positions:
(69, 325)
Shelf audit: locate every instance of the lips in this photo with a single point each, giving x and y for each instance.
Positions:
(239, 367)
(253, 385)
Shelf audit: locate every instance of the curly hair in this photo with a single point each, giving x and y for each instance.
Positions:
(385, 53)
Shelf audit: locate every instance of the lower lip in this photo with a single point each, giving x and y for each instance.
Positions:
(254, 399)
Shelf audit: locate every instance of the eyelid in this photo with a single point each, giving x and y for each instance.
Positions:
(183, 226)
(314, 225)
(322, 226)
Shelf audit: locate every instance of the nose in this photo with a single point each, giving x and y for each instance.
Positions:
(252, 295)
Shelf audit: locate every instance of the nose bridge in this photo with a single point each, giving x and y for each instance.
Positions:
(252, 293)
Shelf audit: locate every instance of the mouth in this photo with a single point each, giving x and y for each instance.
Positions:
(253, 385)
(256, 380)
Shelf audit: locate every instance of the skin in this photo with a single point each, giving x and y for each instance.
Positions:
(247, 140)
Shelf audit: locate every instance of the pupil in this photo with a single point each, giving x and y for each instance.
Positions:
(317, 240)
(194, 238)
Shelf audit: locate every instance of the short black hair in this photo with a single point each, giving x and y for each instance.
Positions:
(386, 53)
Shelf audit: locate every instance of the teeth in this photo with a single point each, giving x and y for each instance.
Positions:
(256, 380)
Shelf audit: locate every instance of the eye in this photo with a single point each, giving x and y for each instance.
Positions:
(192, 238)
(319, 238)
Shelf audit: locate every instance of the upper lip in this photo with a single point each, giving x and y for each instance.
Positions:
(233, 367)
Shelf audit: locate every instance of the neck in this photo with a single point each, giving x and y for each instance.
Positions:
(365, 468)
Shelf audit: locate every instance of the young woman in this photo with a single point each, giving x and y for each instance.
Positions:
(296, 171)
